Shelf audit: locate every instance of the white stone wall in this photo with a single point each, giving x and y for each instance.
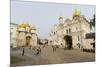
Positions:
(87, 43)
(18, 38)
(79, 27)
(33, 41)
(21, 39)
(13, 34)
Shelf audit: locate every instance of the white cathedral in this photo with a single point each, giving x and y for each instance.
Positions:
(71, 33)
(23, 35)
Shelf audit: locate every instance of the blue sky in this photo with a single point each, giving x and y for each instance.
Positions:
(45, 15)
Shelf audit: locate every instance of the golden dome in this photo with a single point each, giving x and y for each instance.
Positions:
(24, 25)
(27, 25)
(76, 13)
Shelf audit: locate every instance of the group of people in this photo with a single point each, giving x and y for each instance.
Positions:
(38, 49)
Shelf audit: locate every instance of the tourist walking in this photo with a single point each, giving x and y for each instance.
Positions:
(38, 51)
(23, 51)
(54, 48)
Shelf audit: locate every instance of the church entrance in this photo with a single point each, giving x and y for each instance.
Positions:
(28, 38)
(68, 41)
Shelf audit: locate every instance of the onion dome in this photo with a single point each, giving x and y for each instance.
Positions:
(27, 25)
(22, 26)
(60, 17)
(76, 13)
(32, 28)
(67, 20)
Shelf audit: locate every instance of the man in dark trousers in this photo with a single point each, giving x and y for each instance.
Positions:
(23, 51)
(54, 48)
(38, 50)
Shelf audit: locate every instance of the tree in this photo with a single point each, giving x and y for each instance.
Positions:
(92, 22)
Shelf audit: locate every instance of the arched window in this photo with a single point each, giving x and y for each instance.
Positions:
(69, 30)
(78, 38)
(54, 33)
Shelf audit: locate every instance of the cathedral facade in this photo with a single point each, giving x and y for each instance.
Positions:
(25, 35)
(70, 33)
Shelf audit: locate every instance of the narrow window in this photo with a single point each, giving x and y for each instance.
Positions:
(69, 30)
(78, 38)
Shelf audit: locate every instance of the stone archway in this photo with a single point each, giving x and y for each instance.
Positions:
(28, 38)
(68, 41)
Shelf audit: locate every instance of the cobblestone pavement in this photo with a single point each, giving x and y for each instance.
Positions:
(47, 56)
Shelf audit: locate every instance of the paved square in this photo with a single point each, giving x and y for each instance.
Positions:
(47, 56)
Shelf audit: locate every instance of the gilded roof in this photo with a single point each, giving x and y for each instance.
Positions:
(76, 13)
(25, 26)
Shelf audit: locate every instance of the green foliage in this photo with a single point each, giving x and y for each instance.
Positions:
(92, 22)
(78, 44)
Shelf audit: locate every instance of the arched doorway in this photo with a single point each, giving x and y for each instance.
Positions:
(68, 41)
(28, 38)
